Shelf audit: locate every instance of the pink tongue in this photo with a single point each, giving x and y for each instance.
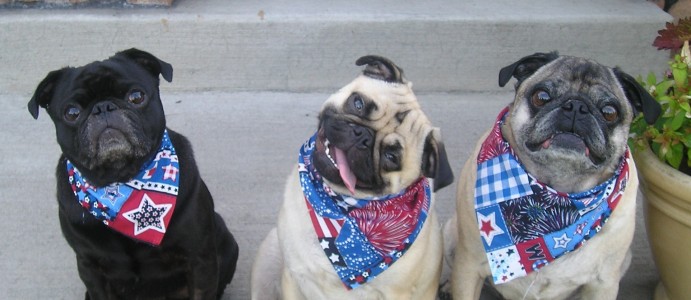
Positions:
(344, 169)
(547, 143)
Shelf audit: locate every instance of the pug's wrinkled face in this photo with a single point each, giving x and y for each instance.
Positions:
(373, 138)
(108, 115)
(569, 122)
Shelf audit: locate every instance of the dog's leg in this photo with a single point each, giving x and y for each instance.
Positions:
(466, 282)
(291, 291)
(205, 289)
(266, 270)
(469, 264)
(94, 282)
(450, 234)
(203, 265)
(606, 287)
(227, 252)
(601, 289)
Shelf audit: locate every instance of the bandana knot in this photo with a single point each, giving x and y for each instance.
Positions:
(361, 237)
(140, 208)
(525, 224)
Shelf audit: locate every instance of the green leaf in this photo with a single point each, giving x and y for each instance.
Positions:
(651, 80)
(662, 151)
(680, 74)
(662, 87)
(676, 122)
(664, 99)
(674, 156)
(685, 106)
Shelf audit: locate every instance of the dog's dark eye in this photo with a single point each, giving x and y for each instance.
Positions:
(391, 162)
(358, 103)
(610, 113)
(391, 158)
(72, 113)
(136, 97)
(540, 97)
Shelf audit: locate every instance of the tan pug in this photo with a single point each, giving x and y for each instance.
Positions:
(358, 219)
(552, 215)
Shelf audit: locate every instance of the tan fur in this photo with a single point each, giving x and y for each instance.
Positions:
(594, 270)
(291, 264)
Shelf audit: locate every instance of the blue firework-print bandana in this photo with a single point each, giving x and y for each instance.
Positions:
(525, 224)
(140, 208)
(361, 237)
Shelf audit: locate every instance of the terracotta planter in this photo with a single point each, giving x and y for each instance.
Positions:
(668, 220)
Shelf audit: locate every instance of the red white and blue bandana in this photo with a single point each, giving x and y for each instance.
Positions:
(525, 224)
(361, 237)
(140, 208)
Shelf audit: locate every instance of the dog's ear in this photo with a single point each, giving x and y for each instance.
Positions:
(149, 62)
(435, 164)
(380, 68)
(525, 67)
(44, 92)
(640, 99)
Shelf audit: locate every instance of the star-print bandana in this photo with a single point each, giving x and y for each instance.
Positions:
(361, 237)
(140, 208)
(525, 224)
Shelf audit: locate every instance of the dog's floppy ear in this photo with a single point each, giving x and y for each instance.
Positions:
(435, 164)
(149, 62)
(525, 67)
(640, 99)
(44, 92)
(380, 68)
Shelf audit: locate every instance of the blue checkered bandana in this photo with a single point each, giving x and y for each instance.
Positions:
(361, 237)
(525, 224)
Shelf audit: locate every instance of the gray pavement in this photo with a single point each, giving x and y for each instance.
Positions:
(245, 144)
(305, 45)
(249, 79)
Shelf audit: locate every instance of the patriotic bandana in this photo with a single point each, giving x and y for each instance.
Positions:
(140, 208)
(361, 237)
(525, 224)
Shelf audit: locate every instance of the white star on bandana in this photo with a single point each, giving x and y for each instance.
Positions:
(112, 193)
(562, 241)
(324, 244)
(488, 227)
(148, 216)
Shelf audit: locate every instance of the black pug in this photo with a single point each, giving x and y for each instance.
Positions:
(132, 204)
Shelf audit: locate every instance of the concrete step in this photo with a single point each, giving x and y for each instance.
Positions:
(311, 46)
(245, 146)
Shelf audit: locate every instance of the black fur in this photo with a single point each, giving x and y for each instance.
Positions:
(435, 163)
(380, 68)
(640, 99)
(525, 67)
(198, 255)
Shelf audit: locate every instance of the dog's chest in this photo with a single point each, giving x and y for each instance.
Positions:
(306, 262)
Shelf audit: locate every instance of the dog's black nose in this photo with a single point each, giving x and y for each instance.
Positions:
(103, 107)
(573, 108)
(363, 136)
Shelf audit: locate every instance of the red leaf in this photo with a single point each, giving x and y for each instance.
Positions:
(674, 35)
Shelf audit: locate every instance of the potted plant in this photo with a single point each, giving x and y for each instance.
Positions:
(662, 151)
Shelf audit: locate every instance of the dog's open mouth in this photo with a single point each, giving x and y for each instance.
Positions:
(340, 161)
(569, 141)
